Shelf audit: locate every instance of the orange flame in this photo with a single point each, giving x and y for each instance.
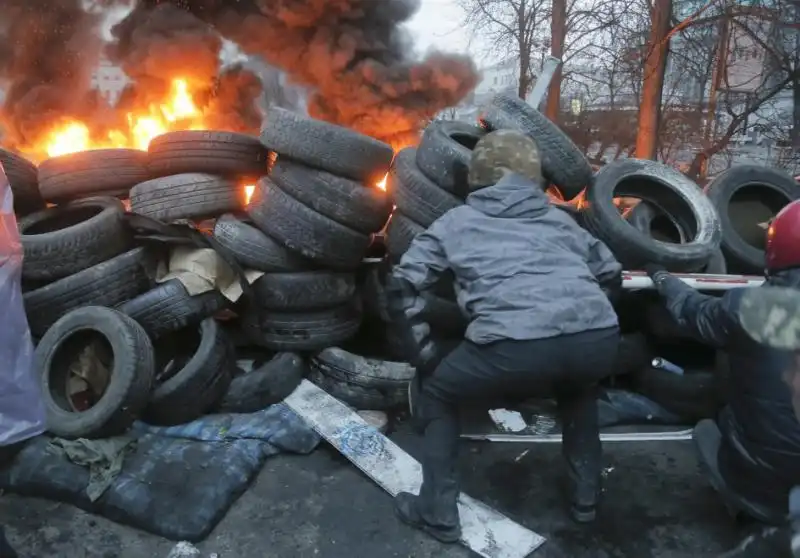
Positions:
(179, 112)
(382, 182)
(248, 193)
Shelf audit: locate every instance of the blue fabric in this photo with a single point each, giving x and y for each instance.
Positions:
(179, 481)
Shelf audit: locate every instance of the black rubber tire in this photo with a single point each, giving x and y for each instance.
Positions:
(667, 189)
(255, 250)
(649, 219)
(774, 189)
(204, 151)
(299, 291)
(563, 164)
(444, 153)
(325, 146)
(305, 331)
(101, 172)
(414, 194)
(169, 307)
(23, 177)
(300, 228)
(199, 385)
(130, 380)
(351, 368)
(106, 284)
(186, 196)
(362, 208)
(66, 239)
(693, 396)
(399, 234)
(266, 385)
(359, 397)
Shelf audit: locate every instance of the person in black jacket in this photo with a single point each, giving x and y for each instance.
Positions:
(751, 454)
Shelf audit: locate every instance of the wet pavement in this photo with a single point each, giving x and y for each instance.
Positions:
(656, 505)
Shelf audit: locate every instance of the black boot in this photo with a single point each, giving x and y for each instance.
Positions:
(5, 548)
(406, 505)
(582, 451)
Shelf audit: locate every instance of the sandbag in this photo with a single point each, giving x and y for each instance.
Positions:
(178, 482)
(22, 413)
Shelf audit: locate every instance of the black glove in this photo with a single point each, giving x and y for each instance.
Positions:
(414, 334)
(656, 272)
(612, 288)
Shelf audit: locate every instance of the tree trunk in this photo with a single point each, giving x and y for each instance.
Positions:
(719, 70)
(655, 65)
(558, 35)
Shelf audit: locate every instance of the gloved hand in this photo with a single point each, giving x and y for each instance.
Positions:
(414, 334)
(657, 273)
(612, 288)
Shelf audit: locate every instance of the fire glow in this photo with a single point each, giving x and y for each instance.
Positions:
(178, 112)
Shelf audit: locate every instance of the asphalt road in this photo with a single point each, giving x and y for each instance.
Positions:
(656, 505)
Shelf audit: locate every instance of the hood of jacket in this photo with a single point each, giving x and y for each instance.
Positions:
(514, 196)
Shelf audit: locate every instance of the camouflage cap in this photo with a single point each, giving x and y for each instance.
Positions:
(501, 151)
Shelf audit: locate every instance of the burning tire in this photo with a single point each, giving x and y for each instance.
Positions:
(651, 220)
(108, 352)
(300, 228)
(444, 153)
(325, 146)
(255, 250)
(663, 187)
(64, 240)
(399, 234)
(194, 371)
(169, 307)
(303, 331)
(22, 176)
(747, 198)
(362, 208)
(563, 164)
(265, 385)
(222, 153)
(101, 172)
(106, 284)
(186, 196)
(414, 194)
(300, 291)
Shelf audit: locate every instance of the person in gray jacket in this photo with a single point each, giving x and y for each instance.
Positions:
(535, 288)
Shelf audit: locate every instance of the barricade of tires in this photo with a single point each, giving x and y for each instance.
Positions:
(114, 346)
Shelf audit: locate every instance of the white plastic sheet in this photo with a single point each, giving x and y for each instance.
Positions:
(22, 413)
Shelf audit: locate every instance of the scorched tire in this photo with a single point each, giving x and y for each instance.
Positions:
(357, 396)
(399, 234)
(563, 164)
(305, 331)
(22, 176)
(255, 250)
(199, 384)
(747, 197)
(169, 307)
(106, 284)
(310, 290)
(300, 228)
(445, 151)
(66, 239)
(102, 172)
(130, 374)
(325, 146)
(186, 196)
(670, 191)
(362, 208)
(221, 153)
(414, 194)
(355, 369)
(266, 385)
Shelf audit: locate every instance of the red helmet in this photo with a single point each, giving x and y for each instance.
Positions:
(783, 239)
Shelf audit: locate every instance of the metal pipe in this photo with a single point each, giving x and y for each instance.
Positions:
(536, 96)
(672, 436)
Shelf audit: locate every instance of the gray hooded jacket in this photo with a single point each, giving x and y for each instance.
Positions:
(523, 269)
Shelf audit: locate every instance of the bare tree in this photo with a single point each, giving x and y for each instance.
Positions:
(512, 27)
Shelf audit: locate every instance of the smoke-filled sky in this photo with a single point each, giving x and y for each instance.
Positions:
(355, 57)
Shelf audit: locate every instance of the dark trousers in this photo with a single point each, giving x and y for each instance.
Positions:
(567, 367)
